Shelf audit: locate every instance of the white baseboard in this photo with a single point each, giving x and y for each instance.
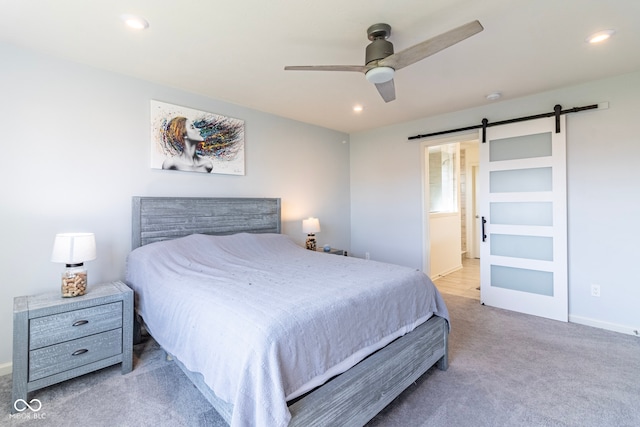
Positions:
(6, 368)
(629, 330)
(444, 273)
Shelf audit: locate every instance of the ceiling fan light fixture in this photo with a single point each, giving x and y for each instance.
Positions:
(379, 75)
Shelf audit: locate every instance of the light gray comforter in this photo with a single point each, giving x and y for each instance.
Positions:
(264, 320)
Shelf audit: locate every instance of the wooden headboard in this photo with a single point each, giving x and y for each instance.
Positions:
(164, 218)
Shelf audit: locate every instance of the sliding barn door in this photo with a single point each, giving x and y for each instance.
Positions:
(523, 251)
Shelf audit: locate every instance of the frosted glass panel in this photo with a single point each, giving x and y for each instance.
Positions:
(529, 247)
(520, 147)
(520, 279)
(520, 180)
(521, 213)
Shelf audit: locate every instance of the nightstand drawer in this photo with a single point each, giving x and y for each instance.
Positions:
(71, 354)
(56, 328)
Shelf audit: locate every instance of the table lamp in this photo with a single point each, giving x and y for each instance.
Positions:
(73, 249)
(311, 226)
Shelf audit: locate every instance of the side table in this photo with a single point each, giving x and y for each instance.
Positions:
(56, 338)
(333, 251)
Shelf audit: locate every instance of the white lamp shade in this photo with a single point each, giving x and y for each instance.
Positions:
(380, 74)
(310, 225)
(74, 248)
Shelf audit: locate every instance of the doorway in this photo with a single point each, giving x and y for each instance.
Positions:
(452, 228)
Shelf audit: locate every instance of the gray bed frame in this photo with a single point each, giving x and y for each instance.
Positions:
(350, 399)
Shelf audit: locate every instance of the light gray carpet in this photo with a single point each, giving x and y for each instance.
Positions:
(506, 369)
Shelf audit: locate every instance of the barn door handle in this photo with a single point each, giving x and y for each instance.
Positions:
(484, 236)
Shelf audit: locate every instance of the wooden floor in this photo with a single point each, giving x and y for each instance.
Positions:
(464, 282)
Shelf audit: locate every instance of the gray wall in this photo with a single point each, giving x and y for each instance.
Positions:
(75, 148)
(603, 193)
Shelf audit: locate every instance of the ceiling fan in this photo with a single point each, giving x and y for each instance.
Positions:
(381, 63)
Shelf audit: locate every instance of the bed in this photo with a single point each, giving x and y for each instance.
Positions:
(244, 311)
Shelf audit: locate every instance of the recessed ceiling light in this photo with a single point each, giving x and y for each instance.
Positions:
(358, 108)
(494, 96)
(600, 36)
(135, 22)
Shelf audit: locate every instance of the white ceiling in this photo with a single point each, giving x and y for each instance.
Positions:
(235, 50)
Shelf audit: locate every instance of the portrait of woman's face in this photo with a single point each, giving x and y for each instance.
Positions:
(192, 133)
(191, 140)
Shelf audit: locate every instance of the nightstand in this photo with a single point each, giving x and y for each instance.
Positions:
(56, 339)
(333, 251)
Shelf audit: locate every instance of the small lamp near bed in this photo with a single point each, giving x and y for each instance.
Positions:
(73, 249)
(311, 226)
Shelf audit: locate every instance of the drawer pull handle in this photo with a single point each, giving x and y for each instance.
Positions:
(79, 352)
(80, 322)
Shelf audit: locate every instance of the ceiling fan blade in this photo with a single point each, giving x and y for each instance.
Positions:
(427, 48)
(359, 68)
(387, 90)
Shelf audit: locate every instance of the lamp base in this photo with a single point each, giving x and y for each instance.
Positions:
(311, 242)
(74, 281)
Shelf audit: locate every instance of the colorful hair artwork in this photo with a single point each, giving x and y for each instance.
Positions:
(190, 140)
(222, 136)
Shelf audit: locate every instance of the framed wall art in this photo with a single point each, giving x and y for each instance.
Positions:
(185, 139)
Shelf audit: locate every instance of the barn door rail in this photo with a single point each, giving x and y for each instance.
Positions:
(557, 112)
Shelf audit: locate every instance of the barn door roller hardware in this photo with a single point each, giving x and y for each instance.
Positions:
(557, 112)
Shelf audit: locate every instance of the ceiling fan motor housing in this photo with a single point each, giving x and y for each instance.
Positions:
(377, 50)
